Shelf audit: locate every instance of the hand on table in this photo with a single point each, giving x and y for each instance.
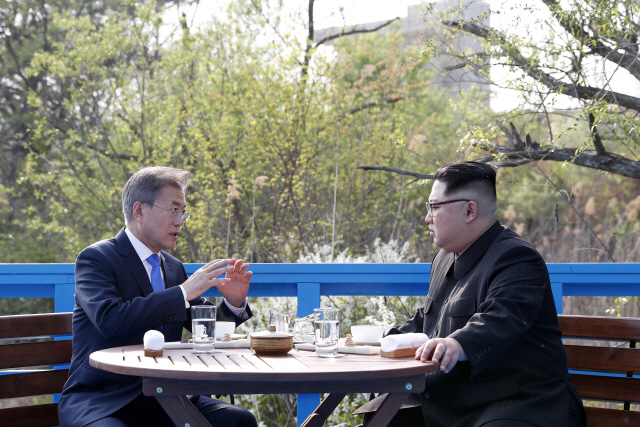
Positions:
(447, 351)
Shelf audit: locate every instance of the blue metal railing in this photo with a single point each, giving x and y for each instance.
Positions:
(307, 282)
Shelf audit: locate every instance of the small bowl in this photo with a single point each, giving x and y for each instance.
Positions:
(224, 328)
(271, 342)
(367, 333)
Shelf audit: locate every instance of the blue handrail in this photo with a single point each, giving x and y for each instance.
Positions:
(307, 282)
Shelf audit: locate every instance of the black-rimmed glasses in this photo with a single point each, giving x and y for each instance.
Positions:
(430, 206)
(176, 213)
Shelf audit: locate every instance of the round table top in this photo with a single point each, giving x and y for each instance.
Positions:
(240, 364)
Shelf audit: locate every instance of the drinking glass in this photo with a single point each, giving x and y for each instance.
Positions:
(303, 331)
(203, 328)
(327, 330)
(280, 321)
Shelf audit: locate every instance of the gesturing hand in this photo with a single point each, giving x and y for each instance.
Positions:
(205, 277)
(447, 351)
(236, 288)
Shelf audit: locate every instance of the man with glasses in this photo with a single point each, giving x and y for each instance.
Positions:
(128, 285)
(490, 318)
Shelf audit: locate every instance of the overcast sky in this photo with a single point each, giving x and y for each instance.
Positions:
(514, 15)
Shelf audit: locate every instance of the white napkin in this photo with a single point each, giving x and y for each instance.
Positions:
(153, 340)
(395, 342)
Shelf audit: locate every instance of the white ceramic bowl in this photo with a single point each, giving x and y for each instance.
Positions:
(367, 333)
(224, 328)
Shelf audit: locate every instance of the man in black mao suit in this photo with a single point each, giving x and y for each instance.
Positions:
(490, 317)
(116, 305)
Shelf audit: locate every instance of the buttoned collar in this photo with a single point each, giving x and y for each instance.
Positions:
(470, 256)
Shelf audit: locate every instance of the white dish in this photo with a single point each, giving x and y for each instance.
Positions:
(224, 328)
(238, 336)
(366, 333)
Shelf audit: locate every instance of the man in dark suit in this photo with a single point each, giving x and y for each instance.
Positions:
(490, 317)
(128, 285)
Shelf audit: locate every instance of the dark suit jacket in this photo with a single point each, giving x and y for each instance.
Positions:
(496, 301)
(115, 305)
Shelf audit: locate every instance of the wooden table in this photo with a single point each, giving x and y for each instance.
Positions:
(239, 371)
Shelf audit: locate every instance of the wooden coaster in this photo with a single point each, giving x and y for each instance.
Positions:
(153, 353)
(403, 352)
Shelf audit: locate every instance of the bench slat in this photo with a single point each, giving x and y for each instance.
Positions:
(601, 417)
(603, 358)
(32, 383)
(31, 416)
(35, 325)
(35, 354)
(600, 327)
(607, 388)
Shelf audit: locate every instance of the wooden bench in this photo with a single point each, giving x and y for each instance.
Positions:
(606, 373)
(36, 360)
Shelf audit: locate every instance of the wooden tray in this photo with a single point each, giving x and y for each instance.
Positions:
(403, 352)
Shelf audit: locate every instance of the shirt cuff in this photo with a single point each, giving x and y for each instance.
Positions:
(238, 311)
(184, 295)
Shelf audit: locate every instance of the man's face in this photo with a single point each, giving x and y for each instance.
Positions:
(446, 222)
(157, 229)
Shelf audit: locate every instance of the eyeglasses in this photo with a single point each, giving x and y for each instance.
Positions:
(432, 206)
(177, 213)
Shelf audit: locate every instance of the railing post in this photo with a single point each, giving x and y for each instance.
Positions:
(63, 302)
(64, 295)
(556, 288)
(308, 299)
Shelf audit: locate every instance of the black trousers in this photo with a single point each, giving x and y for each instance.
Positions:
(146, 411)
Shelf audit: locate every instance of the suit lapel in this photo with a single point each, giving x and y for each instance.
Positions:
(132, 261)
(169, 272)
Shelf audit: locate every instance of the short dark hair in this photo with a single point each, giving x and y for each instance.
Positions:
(146, 184)
(474, 176)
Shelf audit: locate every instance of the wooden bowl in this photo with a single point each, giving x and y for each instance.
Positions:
(271, 342)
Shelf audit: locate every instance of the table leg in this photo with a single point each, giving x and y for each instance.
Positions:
(387, 410)
(182, 412)
(322, 412)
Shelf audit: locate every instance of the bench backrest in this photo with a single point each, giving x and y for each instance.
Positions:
(35, 360)
(606, 373)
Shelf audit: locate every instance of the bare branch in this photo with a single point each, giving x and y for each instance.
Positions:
(628, 61)
(553, 83)
(343, 33)
(597, 142)
(376, 104)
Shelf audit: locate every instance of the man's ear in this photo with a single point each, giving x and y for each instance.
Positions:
(472, 211)
(137, 212)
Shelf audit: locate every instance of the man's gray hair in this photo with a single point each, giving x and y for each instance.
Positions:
(146, 185)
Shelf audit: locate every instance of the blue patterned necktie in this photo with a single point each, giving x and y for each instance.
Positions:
(156, 276)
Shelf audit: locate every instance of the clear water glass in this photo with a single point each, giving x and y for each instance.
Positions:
(203, 328)
(327, 331)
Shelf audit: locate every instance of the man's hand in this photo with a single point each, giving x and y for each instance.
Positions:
(236, 288)
(447, 351)
(205, 277)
